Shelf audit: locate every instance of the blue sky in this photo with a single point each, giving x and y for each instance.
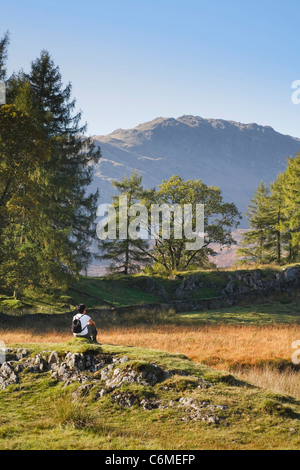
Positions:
(131, 61)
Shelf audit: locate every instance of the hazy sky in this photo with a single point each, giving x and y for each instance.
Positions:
(131, 61)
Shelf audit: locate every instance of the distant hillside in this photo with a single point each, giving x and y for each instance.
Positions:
(228, 154)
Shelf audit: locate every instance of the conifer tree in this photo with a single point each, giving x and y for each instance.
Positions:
(292, 207)
(276, 204)
(269, 239)
(54, 234)
(69, 209)
(257, 243)
(22, 152)
(126, 255)
(3, 55)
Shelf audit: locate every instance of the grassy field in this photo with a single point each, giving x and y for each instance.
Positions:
(102, 292)
(254, 343)
(39, 412)
(261, 354)
(276, 312)
(120, 291)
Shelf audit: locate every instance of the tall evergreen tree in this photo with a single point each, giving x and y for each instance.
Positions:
(270, 237)
(126, 255)
(3, 55)
(22, 152)
(292, 207)
(52, 231)
(68, 211)
(257, 243)
(276, 205)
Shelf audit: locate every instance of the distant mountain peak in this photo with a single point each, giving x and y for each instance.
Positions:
(196, 122)
(229, 154)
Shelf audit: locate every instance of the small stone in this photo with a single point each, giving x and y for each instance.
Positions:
(213, 419)
(125, 399)
(53, 358)
(82, 391)
(98, 366)
(6, 370)
(124, 359)
(149, 404)
(21, 353)
(102, 393)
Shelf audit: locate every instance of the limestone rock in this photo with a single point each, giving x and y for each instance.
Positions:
(124, 399)
(7, 375)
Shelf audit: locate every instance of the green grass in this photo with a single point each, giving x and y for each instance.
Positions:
(38, 413)
(128, 290)
(120, 291)
(117, 292)
(277, 312)
(35, 301)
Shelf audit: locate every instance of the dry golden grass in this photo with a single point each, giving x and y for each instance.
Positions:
(284, 382)
(248, 350)
(219, 345)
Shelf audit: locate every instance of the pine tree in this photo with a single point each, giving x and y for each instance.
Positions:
(68, 208)
(3, 55)
(21, 154)
(50, 241)
(257, 244)
(278, 234)
(269, 237)
(126, 255)
(292, 207)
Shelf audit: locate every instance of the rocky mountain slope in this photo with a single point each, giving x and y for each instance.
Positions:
(228, 154)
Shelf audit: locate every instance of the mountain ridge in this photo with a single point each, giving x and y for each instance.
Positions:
(232, 155)
(192, 121)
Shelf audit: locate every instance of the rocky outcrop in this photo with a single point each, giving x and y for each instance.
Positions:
(8, 375)
(201, 411)
(188, 286)
(256, 281)
(106, 376)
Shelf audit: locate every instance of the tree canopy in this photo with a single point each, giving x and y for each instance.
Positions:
(47, 216)
(173, 251)
(274, 218)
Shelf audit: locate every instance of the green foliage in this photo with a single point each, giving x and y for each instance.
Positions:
(274, 218)
(3, 55)
(47, 219)
(125, 255)
(219, 220)
(291, 223)
(169, 252)
(22, 151)
(258, 242)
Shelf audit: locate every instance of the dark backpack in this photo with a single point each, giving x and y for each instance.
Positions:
(76, 325)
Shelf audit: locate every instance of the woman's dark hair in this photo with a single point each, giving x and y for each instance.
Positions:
(81, 308)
